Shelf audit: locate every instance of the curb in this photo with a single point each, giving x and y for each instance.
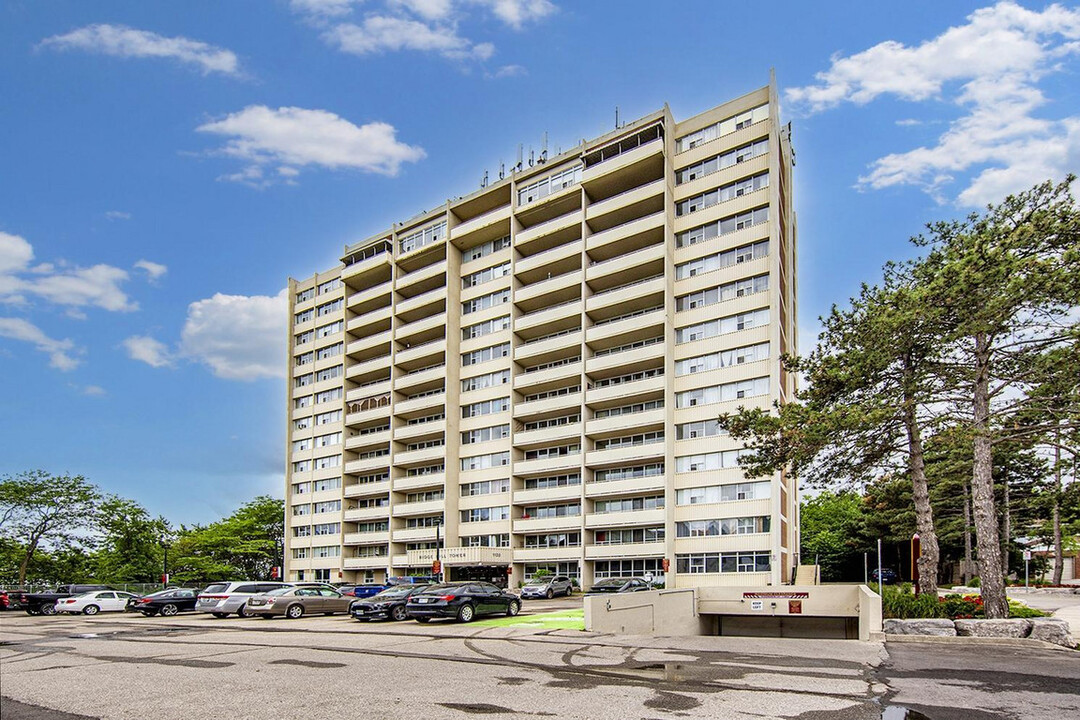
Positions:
(968, 640)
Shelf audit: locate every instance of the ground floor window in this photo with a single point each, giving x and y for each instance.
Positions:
(569, 569)
(298, 575)
(635, 567)
(369, 577)
(743, 562)
(322, 575)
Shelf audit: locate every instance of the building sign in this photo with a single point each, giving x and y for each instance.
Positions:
(757, 604)
(775, 595)
(794, 607)
(456, 556)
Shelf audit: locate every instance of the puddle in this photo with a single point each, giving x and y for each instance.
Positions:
(899, 712)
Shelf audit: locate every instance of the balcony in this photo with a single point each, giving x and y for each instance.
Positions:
(556, 261)
(407, 433)
(630, 486)
(367, 417)
(370, 297)
(367, 489)
(420, 406)
(361, 441)
(609, 425)
(490, 225)
(549, 214)
(544, 349)
(529, 383)
(547, 554)
(637, 164)
(627, 550)
(614, 394)
(376, 366)
(547, 495)
(650, 355)
(553, 288)
(619, 299)
(533, 526)
(367, 465)
(420, 331)
(412, 381)
(367, 538)
(419, 482)
(373, 269)
(725, 509)
(728, 175)
(547, 407)
(723, 543)
(623, 239)
(623, 330)
(422, 456)
(547, 435)
(549, 319)
(414, 534)
(548, 465)
(625, 519)
(365, 563)
(422, 355)
(412, 509)
(627, 206)
(369, 347)
(368, 513)
(632, 454)
(373, 317)
(422, 280)
(422, 305)
(640, 264)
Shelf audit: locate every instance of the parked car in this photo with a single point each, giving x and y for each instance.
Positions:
(463, 601)
(361, 591)
(224, 598)
(387, 605)
(547, 587)
(166, 602)
(620, 585)
(888, 576)
(92, 603)
(45, 603)
(5, 600)
(412, 580)
(295, 602)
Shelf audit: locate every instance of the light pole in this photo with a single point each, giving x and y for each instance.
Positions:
(165, 565)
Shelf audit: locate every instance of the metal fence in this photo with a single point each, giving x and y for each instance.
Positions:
(137, 588)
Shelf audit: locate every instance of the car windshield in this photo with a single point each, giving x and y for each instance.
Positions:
(393, 593)
(611, 582)
(537, 581)
(278, 591)
(216, 588)
(437, 589)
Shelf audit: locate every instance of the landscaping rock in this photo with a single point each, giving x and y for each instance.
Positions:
(1018, 628)
(1052, 630)
(928, 626)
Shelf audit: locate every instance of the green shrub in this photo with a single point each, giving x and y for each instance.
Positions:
(1019, 610)
(896, 603)
(974, 582)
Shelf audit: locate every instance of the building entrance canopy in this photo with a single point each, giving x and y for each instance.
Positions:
(459, 556)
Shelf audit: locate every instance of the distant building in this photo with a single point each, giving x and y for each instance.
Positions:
(534, 371)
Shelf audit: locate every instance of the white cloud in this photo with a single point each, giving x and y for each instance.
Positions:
(428, 9)
(516, 13)
(117, 215)
(997, 59)
(59, 351)
(238, 337)
(509, 71)
(121, 41)
(153, 270)
(380, 33)
(94, 391)
(148, 350)
(323, 8)
(292, 137)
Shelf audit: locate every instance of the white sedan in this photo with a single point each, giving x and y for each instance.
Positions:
(92, 603)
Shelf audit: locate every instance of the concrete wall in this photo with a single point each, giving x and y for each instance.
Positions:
(699, 611)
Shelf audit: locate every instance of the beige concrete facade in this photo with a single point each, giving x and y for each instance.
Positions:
(537, 368)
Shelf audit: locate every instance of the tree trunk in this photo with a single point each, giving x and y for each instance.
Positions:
(967, 536)
(1059, 554)
(992, 583)
(1006, 531)
(920, 493)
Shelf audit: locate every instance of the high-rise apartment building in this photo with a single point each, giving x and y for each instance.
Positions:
(532, 373)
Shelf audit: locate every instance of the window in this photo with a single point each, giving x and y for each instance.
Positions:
(328, 417)
(485, 249)
(485, 514)
(428, 496)
(726, 358)
(498, 540)
(485, 354)
(553, 482)
(372, 527)
(327, 484)
(328, 330)
(425, 470)
(298, 510)
(631, 377)
(629, 536)
(553, 364)
(371, 551)
(629, 409)
(724, 127)
(722, 393)
(701, 429)
(421, 238)
(651, 502)
(722, 194)
(630, 440)
(552, 422)
(702, 563)
(303, 317)
(722, 226)
(488, 487)
(301, 466)
(480, 462)
(326, 529)
(327, 462)
(553, 540)
(328, 506)
(728, 258)
(299, 445)
(723, 526)
(329, 373)
(299, 553)
(486, 275)
(630, 346)
(479, 382)
(708, 461)
(322, 574)
(488, 407)
(305, 337)
(568, 390)
(302, 531)
(329, 351)
(424, 522)
(569, 569)
(551, 184)
(329, 395)
(495, 432)
(330, 286)
(328, 440)
(485, 328)
(424, 444)
(724, 493)
(485, 301)
(330, 307)
(722, 293)
(303, 380)
(636, 567)
(301, 488)
(550, 452)
(551, 511)
(723, 326)
(304, 358)
(305, 295)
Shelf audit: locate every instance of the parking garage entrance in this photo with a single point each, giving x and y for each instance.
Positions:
(494, 574)
(468, 563)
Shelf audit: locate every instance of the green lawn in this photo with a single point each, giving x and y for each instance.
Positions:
(558, 620)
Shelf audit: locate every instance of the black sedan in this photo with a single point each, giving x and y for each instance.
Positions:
(462, 601)
(167, 602)
(620, 585)
(387, 605)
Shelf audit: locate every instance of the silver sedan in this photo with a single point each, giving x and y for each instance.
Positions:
(295, 602)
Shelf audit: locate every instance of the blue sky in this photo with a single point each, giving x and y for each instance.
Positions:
(164, 167)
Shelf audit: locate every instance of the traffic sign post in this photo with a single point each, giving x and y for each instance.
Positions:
(1027, 560)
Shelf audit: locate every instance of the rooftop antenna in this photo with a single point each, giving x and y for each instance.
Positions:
(518, 166)
(502, 169)
(484, 182)
(531, 156)
(543, 154)
(616, 117)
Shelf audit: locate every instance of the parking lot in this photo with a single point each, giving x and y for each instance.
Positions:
(192, 666)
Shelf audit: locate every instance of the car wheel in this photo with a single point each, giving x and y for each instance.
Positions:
(423, 620)
(295, 612)
(550, 593)
(466, 613)
(220, 616)
(244, 612)
(398, 613)
(169, 610)
(47, 609)
(513, 608)
(91, 610)
(569, 591)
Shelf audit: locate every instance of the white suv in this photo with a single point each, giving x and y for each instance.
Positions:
(224, 598)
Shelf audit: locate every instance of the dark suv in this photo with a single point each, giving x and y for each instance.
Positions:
(463, 601)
